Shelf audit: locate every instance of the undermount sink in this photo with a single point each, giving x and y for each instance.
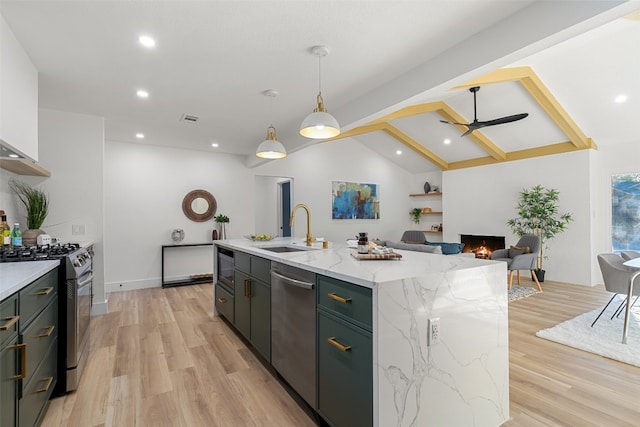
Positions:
(281, 249)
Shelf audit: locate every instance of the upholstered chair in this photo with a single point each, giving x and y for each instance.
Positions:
(413, 236)
(616, 278)
(628, 255)
(522, 256)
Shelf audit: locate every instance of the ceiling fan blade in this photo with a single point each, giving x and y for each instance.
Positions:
(502, 120)
(453, 123)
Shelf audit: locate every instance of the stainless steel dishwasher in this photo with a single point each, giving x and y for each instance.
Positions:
(293, 328)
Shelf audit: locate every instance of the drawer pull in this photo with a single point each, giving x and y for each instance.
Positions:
(10, 322)
(338, 298)
(336, 344)
(23, 361)
(247, 288)
(48, 333)
(44, 291)
(49, 380)
(222, 300)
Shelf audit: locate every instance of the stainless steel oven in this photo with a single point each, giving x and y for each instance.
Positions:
(79, 281)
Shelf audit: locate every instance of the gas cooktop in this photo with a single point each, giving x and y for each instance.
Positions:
(37, 253)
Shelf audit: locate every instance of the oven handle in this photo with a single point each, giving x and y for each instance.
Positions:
(84, 282)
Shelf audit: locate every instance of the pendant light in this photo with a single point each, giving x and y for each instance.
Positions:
(271, 148)
(319, 124)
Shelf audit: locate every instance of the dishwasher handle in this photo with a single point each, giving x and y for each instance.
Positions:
(293, 282)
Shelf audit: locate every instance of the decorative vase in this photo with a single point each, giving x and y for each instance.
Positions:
(30, 237)
(222, 232)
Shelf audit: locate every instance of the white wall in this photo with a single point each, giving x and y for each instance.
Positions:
(314, 168)
(480, 200)
(72, 147)
(8, 200)
(144, 189)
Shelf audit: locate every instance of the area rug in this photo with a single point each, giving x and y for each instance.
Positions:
(605, 338)
(518, 292)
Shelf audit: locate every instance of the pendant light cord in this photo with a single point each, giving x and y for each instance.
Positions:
(319, 74)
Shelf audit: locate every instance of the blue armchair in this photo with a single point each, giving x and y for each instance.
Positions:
(522, 256)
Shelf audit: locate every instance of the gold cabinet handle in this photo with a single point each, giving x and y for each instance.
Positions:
(222, 300)
(336, 344)
(49, 380)
(247, 288)
(44, 291)
(23, 361)
(338, 298)
(48, 333)
(10, 322)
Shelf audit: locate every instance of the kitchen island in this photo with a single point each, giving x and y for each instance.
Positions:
(463, 378)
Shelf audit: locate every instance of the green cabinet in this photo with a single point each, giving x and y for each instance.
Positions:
(252, 300)
(9, 350)
(345, 353)
(28, 351)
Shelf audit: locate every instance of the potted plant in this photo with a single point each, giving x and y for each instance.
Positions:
(36, 204)
(221, 220)
(415, 212)
(538, 214)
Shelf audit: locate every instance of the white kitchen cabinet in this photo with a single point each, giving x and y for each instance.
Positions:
(18, 95)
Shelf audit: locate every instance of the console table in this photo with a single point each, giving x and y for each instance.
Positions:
(189, 281)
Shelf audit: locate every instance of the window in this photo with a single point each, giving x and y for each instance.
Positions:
(625, 211)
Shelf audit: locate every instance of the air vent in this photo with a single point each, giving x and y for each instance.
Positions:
(190, 118)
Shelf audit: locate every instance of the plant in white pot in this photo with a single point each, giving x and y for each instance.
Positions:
(36, 204)
(538, 214)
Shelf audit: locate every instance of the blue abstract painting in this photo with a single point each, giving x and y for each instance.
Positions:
(354, 200)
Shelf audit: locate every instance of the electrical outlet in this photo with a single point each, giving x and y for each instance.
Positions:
(77, 229)
(433, 334)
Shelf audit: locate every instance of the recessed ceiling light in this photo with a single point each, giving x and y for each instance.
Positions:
(398, 152)
(215, 144)
(142, 93)
(140, 135)
(447, 141)
(147, 41)
(621, 98)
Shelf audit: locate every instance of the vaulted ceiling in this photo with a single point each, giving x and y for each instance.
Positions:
(396, 68)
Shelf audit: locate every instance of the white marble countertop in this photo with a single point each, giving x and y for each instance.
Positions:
(16, 275)
(337, 261)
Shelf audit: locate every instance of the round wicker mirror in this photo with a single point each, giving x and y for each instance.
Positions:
(199, 205)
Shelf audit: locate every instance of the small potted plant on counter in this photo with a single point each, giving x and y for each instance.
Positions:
(221, 220)
(538, 215)
(36, 204)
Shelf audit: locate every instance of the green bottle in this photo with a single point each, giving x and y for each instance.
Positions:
(16, 236)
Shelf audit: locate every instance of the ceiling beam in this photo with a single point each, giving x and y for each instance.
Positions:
(411, 110)
(415, 146)
(372, 127)
(545, 150)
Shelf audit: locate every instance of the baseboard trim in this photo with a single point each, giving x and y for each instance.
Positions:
(132, 285)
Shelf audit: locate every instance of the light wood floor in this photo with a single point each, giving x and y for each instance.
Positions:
(159, 358)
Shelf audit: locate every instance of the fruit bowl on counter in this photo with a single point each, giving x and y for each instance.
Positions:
(260, 237)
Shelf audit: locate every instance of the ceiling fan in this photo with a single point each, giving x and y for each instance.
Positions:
(476, 124)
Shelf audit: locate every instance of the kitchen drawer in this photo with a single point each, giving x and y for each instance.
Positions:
(345, 372)
(242, 261)
(8, 318)
(224, 303)
(261, 269)
(36, 296)
(35, 397)
(38, 337)
(346, 300)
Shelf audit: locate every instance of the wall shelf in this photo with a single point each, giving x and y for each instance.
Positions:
(437, 193)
